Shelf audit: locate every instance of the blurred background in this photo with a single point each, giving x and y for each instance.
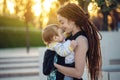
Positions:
(21, 21)
(21, 45)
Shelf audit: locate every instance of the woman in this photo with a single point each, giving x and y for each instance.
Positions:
(74, 21)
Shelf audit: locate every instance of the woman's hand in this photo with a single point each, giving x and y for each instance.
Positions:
(55, 64)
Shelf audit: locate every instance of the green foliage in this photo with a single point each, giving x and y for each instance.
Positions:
(11, 22)
(100, 2)
(10, 39)
(13, 34)
(107, 6)
(118, 1)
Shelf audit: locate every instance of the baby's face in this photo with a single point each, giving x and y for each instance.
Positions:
(60, 36)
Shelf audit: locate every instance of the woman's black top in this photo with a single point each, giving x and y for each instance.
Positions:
(73, 38)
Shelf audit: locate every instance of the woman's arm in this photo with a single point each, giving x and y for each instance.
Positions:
(80, 59)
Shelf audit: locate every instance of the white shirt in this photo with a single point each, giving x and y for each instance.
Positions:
(63, 49)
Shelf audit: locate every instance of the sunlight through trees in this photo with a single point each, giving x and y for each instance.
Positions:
(43, 12)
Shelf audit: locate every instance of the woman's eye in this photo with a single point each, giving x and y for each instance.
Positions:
(62, 23)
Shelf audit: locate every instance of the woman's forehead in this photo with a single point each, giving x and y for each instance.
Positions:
(60, 18)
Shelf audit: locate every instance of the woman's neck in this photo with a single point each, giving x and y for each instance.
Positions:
(75, 30)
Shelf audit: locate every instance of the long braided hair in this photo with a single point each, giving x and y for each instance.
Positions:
(75, 13)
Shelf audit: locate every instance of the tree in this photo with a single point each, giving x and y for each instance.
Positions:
(18, 4)
(62, 1)
(106, 6)
(84, 4)
(4, 7)
(118, 1)
(28, 18)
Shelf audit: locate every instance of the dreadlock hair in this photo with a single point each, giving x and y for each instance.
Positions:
(75, 13)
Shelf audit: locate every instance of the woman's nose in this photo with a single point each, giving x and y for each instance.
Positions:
(62, 27)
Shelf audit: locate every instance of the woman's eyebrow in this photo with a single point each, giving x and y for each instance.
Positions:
(60, 21)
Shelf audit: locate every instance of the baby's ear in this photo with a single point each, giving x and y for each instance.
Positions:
(55, 38)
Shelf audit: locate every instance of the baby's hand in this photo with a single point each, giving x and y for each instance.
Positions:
(73, 44)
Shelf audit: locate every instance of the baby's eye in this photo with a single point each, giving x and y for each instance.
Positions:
(62, 22)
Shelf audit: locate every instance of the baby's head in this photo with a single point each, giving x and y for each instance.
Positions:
(52, 33)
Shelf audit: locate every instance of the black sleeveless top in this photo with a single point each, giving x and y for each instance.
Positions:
(76, 35)
(73, 38)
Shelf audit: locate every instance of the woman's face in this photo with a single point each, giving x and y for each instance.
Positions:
(66, 25)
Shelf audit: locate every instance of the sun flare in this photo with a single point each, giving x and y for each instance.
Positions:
(93, 8)
(10, 6)
(43, 10)
(36, 8)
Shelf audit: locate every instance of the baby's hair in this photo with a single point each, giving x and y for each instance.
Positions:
(48, 32)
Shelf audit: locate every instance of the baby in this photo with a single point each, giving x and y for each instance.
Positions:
(54, 39)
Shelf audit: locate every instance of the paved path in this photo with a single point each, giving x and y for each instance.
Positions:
(16, 64)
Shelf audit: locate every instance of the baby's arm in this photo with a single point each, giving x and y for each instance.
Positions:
(66, 48)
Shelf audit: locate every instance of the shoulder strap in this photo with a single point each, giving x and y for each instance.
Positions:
(55, 58)
(76, 35)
